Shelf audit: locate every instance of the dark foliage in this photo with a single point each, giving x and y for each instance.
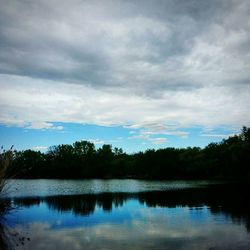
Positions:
(227, 159)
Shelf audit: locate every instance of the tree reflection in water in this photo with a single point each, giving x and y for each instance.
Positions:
(231, 200)
(4, 208)
(147, 228)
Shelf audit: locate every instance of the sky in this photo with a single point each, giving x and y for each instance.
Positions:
(135, 74)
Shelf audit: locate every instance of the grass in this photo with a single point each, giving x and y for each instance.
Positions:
(5, 163)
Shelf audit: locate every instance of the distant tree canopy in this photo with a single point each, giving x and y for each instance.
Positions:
(228, 159)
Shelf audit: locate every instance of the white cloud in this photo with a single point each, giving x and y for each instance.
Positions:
(95, 141)
(43, 125)
(37, 103)
(158, 140)
(157, 68)
(217, 135)
(149, 131)
(39, 148)
(182, 134)
(147, 137)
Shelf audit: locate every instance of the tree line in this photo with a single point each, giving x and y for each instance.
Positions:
(229, 158)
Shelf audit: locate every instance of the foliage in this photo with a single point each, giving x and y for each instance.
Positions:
(228, 159)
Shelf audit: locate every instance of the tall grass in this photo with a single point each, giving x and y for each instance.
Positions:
(5, 206)
(5, 163)
(9, 238)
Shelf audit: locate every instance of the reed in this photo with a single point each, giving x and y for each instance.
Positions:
(5, 163)
(5, 206)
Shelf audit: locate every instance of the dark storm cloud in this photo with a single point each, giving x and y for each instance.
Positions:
(142, 44)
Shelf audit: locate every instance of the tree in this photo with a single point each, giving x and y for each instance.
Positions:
(245, 134)
(83, 148)
(227, 159)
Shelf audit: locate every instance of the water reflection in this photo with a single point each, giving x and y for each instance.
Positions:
(199, 218)
(225, 199)
(9, 237)
(78, 204)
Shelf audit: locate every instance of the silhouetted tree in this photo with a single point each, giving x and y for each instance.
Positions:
(228, 159)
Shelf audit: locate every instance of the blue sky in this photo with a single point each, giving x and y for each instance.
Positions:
(135, 74)
(131, 140)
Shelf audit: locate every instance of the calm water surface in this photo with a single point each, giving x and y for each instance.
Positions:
(126, 214)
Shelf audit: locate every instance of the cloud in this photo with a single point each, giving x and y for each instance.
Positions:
(147, 137)
(25, 101)
(173, 45)
(128, 63)
(182, 134)
(158, 140)
(148, 132)
(43, 125)
(39, 148)
(95, 141)
(217, 135)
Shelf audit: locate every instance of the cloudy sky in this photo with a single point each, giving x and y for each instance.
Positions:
(137, 74)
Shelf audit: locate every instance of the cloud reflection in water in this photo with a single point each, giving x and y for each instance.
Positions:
(214, 218)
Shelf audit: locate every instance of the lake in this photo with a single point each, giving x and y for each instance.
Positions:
(126, 214)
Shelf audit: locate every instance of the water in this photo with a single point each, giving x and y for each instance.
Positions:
(24, 188)
(127, 214)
